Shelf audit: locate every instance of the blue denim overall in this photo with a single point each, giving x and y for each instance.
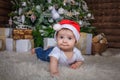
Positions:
(43, 54)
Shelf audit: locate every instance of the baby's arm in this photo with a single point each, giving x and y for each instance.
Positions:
(53, 66)
(76, 64)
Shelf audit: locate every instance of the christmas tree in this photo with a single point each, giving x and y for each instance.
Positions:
(40, 15)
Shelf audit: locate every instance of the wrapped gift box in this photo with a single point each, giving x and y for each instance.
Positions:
(22, 34)
(16, 37)
(98, 48)
(23, 45)
(28, 31)
(22, 31)
(85, 43)
(6, 32)
(49, 42)
(28, 36)
(99, 44)
(9, 44)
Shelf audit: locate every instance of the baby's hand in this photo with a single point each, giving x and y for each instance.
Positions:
(74, 66)
(55, 74)
(33, 51)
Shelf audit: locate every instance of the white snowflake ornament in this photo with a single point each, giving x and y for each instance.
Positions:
(61, 10)
(24, 4)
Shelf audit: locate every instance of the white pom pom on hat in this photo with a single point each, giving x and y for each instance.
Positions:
(57, 27)
(69, 24)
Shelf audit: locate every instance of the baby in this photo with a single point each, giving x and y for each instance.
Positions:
(64, 53)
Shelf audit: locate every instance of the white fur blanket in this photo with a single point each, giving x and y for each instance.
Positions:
(24, 66)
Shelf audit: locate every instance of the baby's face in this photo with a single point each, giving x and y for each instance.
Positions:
(65, 39)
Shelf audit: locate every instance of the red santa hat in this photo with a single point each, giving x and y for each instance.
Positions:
(69, 24)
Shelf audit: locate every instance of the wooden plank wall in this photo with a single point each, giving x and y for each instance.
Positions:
(107, 19)
(5, 8)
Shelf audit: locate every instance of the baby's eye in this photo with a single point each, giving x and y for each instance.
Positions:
(69, 38)
(61, 37)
